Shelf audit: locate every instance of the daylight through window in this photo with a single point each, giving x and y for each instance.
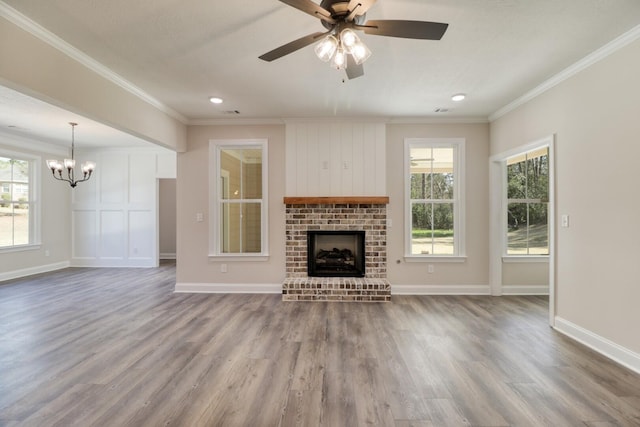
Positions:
(527, 203)
(434, 199)
(16, 205)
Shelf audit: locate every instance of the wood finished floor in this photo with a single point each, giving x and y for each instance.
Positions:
(115, 347)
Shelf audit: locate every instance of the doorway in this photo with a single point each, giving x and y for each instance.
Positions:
(505, 254)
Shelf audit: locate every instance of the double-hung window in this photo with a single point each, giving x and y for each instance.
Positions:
(239, 198)
(18, 207)
(528, 203)
(433, 193)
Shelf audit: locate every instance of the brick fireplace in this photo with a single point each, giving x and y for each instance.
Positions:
(368, 214)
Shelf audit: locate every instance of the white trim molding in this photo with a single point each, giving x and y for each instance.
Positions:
(229, 288)
(16, 274)
(440, 290)
(167, 255)
(613, 351)
(598, 55)
(525, 289)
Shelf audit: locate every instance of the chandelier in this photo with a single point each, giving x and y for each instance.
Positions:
(336, 50)
(69, 164)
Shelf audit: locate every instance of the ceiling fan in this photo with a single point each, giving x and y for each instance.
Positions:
(340, 44)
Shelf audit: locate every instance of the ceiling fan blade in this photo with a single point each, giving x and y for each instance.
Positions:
(290, 47)
(358, 8)
(313, 9)
(406, 29)
(354, 70)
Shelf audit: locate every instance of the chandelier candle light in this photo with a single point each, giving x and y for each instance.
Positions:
(70, 164)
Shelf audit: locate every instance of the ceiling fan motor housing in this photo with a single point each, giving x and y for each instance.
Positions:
(339, 10)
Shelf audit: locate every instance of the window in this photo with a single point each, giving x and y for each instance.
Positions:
(527, 203)
(17, 201)
(434, 197)
(239, 207)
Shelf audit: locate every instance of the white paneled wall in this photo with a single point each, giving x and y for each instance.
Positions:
(335, 159)
(114, 214)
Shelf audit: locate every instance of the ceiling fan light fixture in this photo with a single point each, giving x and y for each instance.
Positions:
(360, 53)
(340, 59)
(349, 40)
(326, 48)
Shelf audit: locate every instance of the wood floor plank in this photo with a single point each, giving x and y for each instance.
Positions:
(117, 347)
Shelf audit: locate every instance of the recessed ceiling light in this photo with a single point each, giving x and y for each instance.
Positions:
(215, 100)
(458, 97)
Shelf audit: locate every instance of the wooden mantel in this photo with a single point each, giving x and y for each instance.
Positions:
(368, 200)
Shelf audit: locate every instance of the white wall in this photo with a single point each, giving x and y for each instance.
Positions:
(114, 214)
(594, 116)
(325, 158)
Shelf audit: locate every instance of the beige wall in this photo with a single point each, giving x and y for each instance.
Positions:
(42, 71)
(475, 270)
(594, 116)
(55, 211)
(167, 217)
(194, 265)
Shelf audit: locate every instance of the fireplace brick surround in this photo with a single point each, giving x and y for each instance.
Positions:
(336, 213)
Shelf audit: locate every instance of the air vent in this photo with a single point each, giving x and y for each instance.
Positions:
(231, 112)
(441, 110)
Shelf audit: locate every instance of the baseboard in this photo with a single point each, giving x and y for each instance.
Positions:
(440, 289)
(525, 290)
(113, 262)
(168, 255)
(16, 274)
(229, 288)
(613, 351)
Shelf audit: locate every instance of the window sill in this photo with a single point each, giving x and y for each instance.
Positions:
(434, 258)
(20, 248)
(535, 259)
(238, 257)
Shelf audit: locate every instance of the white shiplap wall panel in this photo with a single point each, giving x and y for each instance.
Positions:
(335, 158)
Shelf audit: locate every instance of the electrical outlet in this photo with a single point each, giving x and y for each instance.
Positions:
(223, 268)
(430, 268)
(199, 217)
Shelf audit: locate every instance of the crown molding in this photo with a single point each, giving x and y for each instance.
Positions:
(237, 122)
(56, 42)
(430, 120)
(594, 57)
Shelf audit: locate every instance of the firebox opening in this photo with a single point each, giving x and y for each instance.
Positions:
(335, 253)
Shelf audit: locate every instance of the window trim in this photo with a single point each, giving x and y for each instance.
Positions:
(35, 218)
(215, 146)
(459, 222)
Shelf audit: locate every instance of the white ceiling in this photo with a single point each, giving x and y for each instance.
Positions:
(182, 52)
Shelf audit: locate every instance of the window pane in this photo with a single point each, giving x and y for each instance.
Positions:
(21, 224)
(252, 234)
(231, 227)
(252, 174)
(20, 171)
(516, 180)
(420, 186)
(517, 229)
(443, 229)
(538, 175)
(421, 228)
(231, 167)
(6, 224)
(538, 230)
